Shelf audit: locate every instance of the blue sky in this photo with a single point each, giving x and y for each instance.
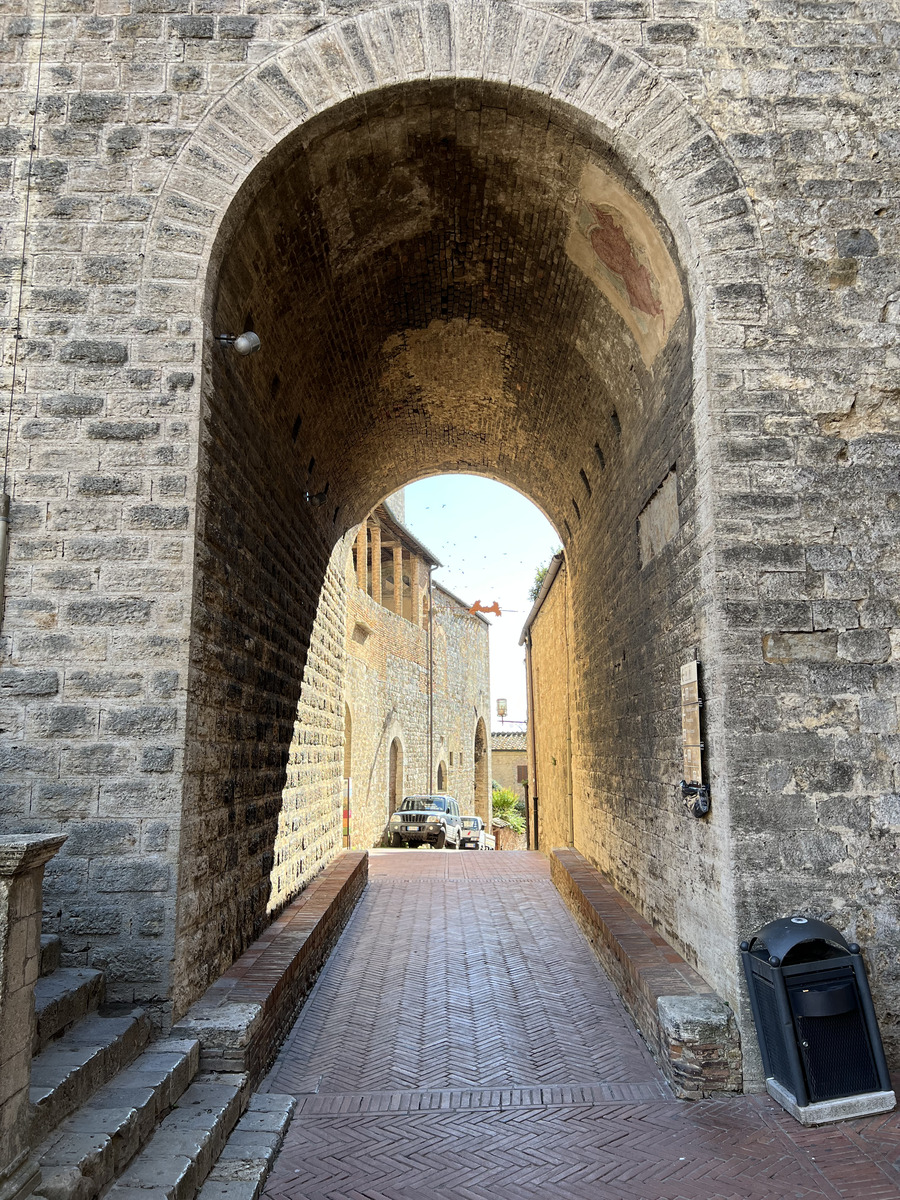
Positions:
(491, 541)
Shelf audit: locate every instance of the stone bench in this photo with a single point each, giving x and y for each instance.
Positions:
(242, 1019)
(691, 1032)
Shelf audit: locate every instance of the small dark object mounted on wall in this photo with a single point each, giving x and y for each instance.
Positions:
(317, 499)
(695, 797)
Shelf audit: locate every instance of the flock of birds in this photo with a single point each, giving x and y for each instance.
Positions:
(474, 576)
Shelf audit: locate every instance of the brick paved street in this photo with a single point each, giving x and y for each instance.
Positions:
(464, 1042)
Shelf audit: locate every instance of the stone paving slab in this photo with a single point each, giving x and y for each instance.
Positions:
(552, 1095)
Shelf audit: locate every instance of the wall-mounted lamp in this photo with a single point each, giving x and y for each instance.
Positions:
(317, 499)
(243, 343)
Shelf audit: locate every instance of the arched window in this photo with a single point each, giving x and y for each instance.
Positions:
(441, 778)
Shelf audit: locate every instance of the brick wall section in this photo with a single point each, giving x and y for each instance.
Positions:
(261, 808)
(508, 839)
(762, 144)
(244, 1017)
(691, 1032)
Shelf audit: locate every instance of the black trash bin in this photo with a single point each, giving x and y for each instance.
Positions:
(818, 1036)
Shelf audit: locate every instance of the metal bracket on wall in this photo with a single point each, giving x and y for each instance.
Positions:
(696, 797)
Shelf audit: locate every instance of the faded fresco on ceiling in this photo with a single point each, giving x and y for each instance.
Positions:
(614, 241)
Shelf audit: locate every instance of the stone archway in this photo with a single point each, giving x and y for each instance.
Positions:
(259, 735)
(178, 711)
(415, 252)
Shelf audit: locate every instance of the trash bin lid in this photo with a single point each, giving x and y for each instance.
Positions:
(781, 936)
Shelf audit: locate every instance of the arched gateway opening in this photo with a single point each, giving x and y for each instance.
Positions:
(447, 275)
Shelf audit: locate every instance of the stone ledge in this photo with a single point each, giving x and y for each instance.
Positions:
(22, 852)
(691, 1032)
(846, 1108)
(243, 1018)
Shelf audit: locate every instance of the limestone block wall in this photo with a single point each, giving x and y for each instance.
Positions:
(386, 690)
(463, 700)
(505, 766)
(166, 567)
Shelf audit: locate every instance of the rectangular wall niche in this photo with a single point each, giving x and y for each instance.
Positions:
(658, 522)
(692, 747)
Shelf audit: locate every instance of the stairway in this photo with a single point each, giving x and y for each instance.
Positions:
(114, 1113)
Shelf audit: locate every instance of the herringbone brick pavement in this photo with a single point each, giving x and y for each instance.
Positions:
(463, 1042)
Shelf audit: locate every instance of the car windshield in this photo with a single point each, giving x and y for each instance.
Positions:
(470, 822)
(424, 804)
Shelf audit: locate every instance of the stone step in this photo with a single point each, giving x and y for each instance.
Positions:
(90, 1149)
(70, 1070)
(61, 999)
(247, 1157)
(181, 1153)
(51, 952)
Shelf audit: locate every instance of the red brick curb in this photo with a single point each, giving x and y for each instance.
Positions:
(691, 1032)
(242, 1019)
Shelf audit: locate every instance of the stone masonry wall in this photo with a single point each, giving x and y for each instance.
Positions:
(505, 769)
(387, 692)
(463, 698)
(549, 718)
(413, 265)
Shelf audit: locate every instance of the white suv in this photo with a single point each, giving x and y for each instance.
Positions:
(427, 820)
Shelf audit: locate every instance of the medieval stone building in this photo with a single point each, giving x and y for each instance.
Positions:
(509, 764)
(636, 258)
(417, 687)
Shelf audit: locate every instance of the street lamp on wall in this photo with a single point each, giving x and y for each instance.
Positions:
(242, 343)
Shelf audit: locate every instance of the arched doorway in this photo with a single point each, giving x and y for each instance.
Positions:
(481, 785)
(395, 776)
(573, 383)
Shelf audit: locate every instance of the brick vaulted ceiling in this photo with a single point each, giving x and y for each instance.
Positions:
(452, 277)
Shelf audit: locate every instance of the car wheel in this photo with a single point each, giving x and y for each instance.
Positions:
(441, 840)
(396, 841)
